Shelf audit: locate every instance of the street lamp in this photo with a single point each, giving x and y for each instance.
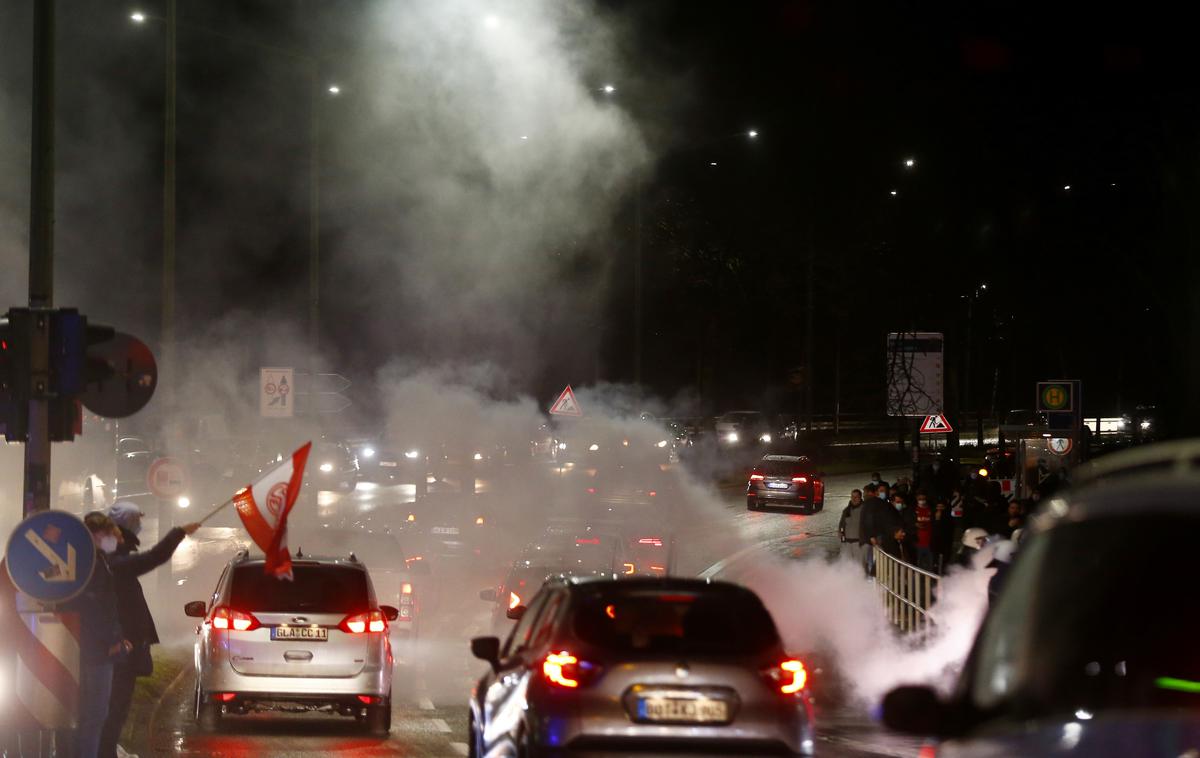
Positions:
(752, 134)
(334, 89)
(910, 162)
(609, 89)
(893, 193)
(137, 17)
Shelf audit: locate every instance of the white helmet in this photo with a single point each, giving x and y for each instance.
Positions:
(974, 538)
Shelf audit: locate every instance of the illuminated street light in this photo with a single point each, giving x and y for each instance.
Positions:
(1066, 187)
(910, 162)
(609, 89)
(137, 17)
(752, 133)
(893, 193)
(712, 163)
(334, 89)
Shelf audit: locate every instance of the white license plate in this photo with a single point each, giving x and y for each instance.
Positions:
(778, 485)
(303, 633)
(693, 710)
(444, 530)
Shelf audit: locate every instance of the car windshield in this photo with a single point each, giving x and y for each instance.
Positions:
(1092, 620)
(320, 588)
(673, 624)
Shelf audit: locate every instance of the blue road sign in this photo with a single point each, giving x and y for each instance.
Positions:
(51, 556)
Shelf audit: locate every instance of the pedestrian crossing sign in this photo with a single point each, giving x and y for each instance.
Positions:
(936, 424)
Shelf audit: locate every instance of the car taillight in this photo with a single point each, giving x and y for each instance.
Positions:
(756, 477)
(656, 541)
(591, 490)
(513, 600)
(800, 479)
(224, 617)
(563, 669)
(359, 623)
(790, 675)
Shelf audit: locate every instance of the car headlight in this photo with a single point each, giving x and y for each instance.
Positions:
(412, 454)
(1145, 425)
(662, 443)
(764, 438)
(562, 446)
(368, 452)
(731, 437)
(326, 468)
(593, 447)
(479, 456)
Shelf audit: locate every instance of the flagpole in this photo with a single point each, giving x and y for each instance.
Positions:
(217, 510)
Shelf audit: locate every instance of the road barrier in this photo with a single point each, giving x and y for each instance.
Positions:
(907, 592)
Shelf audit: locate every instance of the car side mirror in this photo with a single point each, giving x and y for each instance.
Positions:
(914, 710)
(390, 612)
(487, 649)
(516, 613)
(196, 609)
(488, 595)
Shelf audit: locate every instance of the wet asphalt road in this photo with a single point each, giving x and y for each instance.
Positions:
(720, 537)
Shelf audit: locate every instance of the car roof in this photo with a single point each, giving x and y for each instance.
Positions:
(244, 559)
(1156, 479)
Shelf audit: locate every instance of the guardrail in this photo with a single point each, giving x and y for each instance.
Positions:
(907, 592)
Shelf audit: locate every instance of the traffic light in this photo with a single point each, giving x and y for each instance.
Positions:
(14, 373)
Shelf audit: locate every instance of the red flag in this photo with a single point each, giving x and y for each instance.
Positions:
(264, 507)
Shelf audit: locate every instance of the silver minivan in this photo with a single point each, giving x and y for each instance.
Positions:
(319, 642)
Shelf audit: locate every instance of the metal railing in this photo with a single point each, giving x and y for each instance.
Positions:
(907, 592)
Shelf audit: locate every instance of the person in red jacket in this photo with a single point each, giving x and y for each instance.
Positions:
(924, 519)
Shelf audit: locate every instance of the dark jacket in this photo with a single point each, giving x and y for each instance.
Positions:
(876, 516)
(127, 565)
(99, 626)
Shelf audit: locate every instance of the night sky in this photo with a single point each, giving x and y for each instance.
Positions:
(1002, 106)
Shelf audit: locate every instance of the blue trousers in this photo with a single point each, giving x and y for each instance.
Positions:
(95, 690)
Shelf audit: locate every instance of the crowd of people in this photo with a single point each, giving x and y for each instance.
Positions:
(934, 522)
(117, 628)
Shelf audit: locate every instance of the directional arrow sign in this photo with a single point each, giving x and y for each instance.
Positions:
(50, 556)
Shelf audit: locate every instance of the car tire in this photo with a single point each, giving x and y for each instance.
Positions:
(378, 722)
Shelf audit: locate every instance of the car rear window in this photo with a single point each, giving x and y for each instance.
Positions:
(675, 623)
(317, 588)
(782, 468)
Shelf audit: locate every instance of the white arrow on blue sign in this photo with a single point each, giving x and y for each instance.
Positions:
(51, 556)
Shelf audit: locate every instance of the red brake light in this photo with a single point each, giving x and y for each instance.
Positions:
(358, 623)
(800, 479)
(224, 697)
(370, 699)
(224, 617)
(756, 477)
(653, 493)
(791, 676)
(406, 588)
(563, 669)
(591, 490)
(587, 541)
(656, 541)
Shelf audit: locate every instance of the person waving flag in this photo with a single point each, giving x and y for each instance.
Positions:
(264, 507)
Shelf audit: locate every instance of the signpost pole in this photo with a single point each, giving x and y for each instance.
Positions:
(41, 260)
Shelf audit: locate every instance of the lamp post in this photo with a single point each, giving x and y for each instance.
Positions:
(170, 22)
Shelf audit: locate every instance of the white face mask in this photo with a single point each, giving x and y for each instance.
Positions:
(108, 544)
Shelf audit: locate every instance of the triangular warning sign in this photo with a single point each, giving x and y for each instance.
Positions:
(936, 424)
(566, 405)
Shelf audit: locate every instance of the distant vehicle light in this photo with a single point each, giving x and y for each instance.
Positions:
(629, 568)
(656, 541)
(652, 493)
(587, 541)
(800, 479)
(731, 437)
(765, 438)
(625, 443)
(513, 600)
(562, 446)
(326, 468)
(1145, 425)
(593, 447)
(1121, 423)
(591, 490)
(368, 452)
(610, 611)
(412, 517)
(757, 477)
(479, 521)
(412, 454)
(406, 588)
(983, 473)
(184, 501)
(479, 456)
(662, 443)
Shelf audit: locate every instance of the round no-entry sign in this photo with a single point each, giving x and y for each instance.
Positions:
(167, 478)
